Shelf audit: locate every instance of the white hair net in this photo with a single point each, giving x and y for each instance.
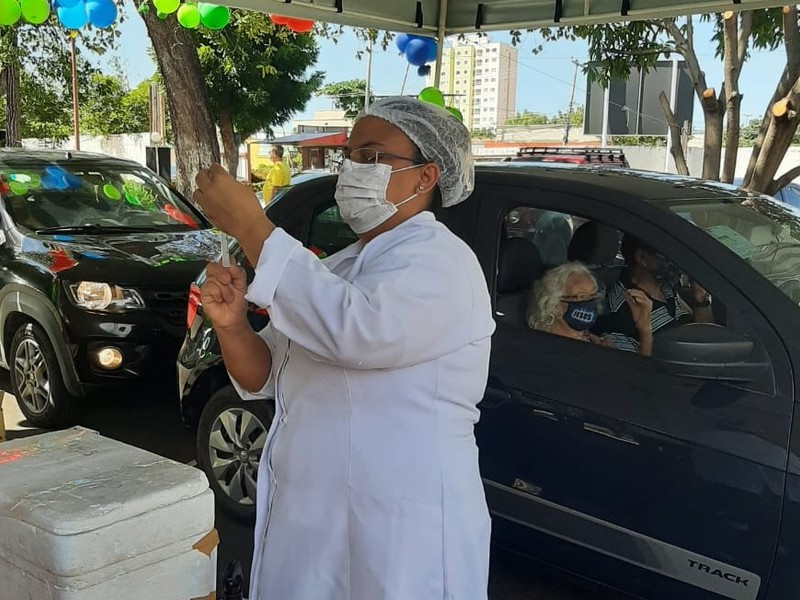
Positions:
(440, 137)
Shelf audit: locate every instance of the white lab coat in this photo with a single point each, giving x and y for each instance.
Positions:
(368, 487)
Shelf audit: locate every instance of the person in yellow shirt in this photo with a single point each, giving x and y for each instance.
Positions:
(278, 176)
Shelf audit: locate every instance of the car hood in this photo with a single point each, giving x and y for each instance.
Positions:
(128, 258)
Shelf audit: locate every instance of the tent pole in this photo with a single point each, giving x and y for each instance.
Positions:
(440, 42)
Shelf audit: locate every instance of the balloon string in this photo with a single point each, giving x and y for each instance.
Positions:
(403, 87)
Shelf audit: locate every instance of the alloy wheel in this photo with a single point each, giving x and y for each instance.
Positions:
(33, 380)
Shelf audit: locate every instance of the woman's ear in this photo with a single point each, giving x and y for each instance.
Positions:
(428, 177)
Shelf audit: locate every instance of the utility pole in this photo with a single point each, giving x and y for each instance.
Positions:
(76, 128)
(568, 124)
(369, 73)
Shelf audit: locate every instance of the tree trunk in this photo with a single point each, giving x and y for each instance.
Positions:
(675, 132)
(777, 140)
(229, 145)
(712, 143)
(11, 84)
(196, 145)
(733, 98)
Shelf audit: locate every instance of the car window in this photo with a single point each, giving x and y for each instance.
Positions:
(329, 233)
(543, 240)
(40, 196)
(791, 195)
(763, 232)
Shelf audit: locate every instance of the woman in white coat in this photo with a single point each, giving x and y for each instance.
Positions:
(377, 356)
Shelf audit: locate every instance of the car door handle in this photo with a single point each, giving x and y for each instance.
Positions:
(609, 433)
(495, 397)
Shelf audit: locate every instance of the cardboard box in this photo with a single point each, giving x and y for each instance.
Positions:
(83, 517)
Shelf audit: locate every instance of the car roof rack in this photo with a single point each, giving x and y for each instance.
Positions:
(590, 155)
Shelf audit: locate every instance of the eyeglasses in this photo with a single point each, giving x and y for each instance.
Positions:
(372, 156)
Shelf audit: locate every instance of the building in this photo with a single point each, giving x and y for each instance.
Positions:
(479, 77)
(324, 121)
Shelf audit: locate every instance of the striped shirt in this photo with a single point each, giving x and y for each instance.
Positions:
(618, 326)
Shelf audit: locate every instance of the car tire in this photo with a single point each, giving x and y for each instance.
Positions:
(36, 379)
(231, 435)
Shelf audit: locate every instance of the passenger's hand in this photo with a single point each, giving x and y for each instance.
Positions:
(223, 298)
(699, 294)
(641, 306)
(230, 205)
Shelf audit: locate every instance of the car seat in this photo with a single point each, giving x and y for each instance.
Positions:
(597, 246)
(519, 266)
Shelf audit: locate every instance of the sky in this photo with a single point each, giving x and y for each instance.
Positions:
(543, 80)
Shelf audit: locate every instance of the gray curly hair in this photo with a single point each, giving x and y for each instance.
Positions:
(543, 305)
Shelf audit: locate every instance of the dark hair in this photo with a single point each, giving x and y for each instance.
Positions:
(630, 244)
(436, 199)
(278, 149)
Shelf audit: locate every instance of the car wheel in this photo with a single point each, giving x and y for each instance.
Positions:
(230, 439)
(36, 379)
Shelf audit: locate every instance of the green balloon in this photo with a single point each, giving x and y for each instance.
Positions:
(161, 15)
(18, 188)
(213, 16)
(10, 12)
(432, 96)
(111, 192)
(35, 11)
(456, 113)
(166, 6)
(35, 182)
(189, 16)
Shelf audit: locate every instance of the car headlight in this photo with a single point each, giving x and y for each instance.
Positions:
(94, 295)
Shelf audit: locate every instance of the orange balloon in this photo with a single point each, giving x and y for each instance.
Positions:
(300, 25)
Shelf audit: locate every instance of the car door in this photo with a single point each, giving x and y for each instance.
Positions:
(606, 463)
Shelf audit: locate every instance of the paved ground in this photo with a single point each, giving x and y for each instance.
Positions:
(149, 419)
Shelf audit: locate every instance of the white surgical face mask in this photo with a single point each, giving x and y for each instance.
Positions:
(361, 194)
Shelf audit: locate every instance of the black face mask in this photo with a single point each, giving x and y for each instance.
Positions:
(667, 272)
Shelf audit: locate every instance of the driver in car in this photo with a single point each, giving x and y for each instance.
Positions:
(654, 274)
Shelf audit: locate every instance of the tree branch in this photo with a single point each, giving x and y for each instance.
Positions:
(787, 177)
(685, 48)
(743, 42)
(791, 37)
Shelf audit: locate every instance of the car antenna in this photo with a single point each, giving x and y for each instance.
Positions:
(69, 155)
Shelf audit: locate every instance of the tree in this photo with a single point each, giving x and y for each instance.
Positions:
(41, 49)
(528, 118)
(348, 96)
(109, 106)
(195, 135)
(616, 49)
(256, 76)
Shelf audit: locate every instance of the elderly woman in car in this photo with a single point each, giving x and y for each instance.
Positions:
(565, 303)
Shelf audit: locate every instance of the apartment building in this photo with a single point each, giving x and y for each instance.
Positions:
(479, 77)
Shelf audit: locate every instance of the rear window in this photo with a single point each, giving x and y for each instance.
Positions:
(38, 196)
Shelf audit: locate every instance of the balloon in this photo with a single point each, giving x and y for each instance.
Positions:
(101, 13)
(424, 70)
(18, 188)
(111, 192)
(300, 25)
(456, 113)
(65, 3)
(279, 20)
(166, 6)
(73, 17)
(35, 11)
(213, 16)
(417, 52)
(189, 16)
(432, 96)
(10, 12)
(161, 15)
(35, 182)
(401, 41)
(430, 43)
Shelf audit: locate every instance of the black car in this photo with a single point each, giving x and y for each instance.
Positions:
(96, 258)
(665, 477)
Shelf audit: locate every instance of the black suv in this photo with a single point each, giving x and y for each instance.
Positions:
(96, 258)
(671, 476)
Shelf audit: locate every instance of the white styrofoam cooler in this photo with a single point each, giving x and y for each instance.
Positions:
(83, 517)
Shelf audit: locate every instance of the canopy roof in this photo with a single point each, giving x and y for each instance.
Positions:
(461, 16)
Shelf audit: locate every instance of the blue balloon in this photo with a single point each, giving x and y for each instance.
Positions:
(72, 182)
(54, 182)
(424, 70)
(65, 3)
(401, 41)
(73, 17)
(101, 13)
(431, 46)
(417, 52)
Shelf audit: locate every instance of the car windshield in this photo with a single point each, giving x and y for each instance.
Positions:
(762, 231)
(92, 197)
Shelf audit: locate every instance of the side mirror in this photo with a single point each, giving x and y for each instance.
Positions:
(708, 351)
